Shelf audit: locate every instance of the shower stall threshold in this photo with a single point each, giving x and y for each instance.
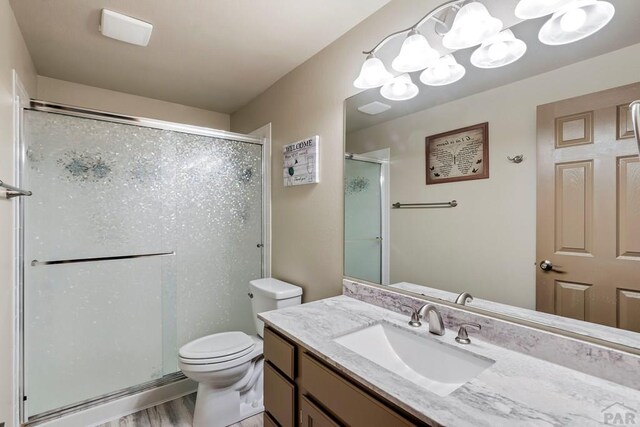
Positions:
(117, 404)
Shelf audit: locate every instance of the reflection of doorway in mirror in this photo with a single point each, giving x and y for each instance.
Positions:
(588, 216)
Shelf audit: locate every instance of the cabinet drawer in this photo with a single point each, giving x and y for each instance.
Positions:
(312, 416)
(350, 404)
(267, 421)
(280, 353)
(279, 395)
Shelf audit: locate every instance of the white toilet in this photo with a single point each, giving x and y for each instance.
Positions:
(228, 365)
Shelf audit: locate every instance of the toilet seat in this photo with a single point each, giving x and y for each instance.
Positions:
(217, 348)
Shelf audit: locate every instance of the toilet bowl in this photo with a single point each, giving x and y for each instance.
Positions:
(228, 366)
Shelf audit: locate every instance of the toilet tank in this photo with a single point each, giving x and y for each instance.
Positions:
(271, 294)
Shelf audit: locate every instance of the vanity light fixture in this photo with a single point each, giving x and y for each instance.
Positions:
(472, 25)
(500, 50)
(445, 72)
(532, 9)
(575, 21)
(400, 88)
(372, 74)
(415, 54)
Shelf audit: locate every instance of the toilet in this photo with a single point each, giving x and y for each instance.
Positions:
(228, 365)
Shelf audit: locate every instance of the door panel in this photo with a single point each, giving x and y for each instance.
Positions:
(574, 206)
(588, 209)
(573, 300)
(629, 207)
(629, 309)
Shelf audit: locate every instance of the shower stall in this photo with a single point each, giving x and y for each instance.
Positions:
(140, 236)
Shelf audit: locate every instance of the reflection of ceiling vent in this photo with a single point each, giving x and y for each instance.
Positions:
(374, 108)
(125, 28)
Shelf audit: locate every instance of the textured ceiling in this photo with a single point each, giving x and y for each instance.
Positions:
(212, 54)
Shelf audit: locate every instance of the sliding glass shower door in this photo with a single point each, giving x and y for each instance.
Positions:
(363, 220)
(136, 240)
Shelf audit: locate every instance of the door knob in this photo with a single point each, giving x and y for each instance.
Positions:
(546, 265)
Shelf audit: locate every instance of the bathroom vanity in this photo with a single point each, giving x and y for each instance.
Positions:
(299, 382)
(329, 363)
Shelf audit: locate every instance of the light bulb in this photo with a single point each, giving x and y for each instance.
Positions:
(498, 51)
(442, 72)
(372, 74)
(415, 54)
(573, 19)
(371, 71)
(398, 88)
(471, 33)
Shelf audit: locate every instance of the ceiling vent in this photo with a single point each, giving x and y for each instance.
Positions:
(374, 108)
(125, 28)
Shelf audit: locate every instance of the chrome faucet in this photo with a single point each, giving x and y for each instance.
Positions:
(464, 298)
(433, 316)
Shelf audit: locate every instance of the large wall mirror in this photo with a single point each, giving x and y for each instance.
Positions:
(526, 179)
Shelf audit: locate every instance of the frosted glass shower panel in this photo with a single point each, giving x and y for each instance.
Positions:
(92, 328)
(100, 187)
(363, 220)
(187, 212)
(219, 224)
(95, 327)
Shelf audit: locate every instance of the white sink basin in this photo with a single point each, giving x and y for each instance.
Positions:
(438, 367)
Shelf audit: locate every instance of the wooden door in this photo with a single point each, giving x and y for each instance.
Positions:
(588, 209)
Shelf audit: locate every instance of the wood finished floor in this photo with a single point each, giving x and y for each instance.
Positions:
(177, 413)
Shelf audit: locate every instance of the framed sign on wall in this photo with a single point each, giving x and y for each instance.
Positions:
(458, 155)
(300, 161)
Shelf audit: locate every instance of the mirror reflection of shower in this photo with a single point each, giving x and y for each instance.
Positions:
(366, 226)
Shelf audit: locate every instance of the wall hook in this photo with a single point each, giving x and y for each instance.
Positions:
(516, 159)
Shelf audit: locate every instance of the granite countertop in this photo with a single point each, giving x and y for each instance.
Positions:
(516, 390)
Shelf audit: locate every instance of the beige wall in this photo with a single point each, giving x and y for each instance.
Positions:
(13, 55)
(486, 245)
(307, 220)
(64, 92)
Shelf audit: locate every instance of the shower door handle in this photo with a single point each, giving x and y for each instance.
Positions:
(36, 263)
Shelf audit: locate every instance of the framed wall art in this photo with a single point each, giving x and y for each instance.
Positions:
(458, 155)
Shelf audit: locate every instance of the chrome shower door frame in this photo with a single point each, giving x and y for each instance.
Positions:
(20, 163)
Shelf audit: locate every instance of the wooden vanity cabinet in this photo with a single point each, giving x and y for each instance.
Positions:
(301, 390)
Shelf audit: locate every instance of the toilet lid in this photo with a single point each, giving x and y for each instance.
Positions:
(222, 344)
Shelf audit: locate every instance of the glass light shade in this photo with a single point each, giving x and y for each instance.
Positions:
(577, 20)
(499, 50)
(372, 74)
(472, 25)
(532, 9)
(416, 54)
(400, 88)
(445, 72)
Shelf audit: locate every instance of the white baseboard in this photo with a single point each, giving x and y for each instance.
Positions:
(124, 406)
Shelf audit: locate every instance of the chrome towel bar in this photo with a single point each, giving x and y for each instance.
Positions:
(36, 263)
(14, 191)
(451, 204)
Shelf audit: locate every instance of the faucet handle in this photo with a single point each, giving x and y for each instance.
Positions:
(463, 336)
(415, 316)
